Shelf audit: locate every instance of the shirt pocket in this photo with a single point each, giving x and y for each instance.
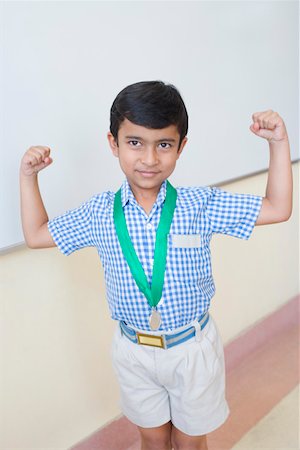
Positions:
(186, 240)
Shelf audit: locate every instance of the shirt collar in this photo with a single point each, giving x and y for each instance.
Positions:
(127, 194)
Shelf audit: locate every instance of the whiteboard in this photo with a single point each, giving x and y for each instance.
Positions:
(63, 63)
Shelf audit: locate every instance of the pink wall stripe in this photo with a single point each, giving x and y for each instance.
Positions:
(262, 368)
(260, 333)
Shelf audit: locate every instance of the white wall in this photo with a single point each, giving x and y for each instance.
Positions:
(58, 385)
(62, 64)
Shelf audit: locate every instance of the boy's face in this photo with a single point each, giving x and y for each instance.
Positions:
(146, 156)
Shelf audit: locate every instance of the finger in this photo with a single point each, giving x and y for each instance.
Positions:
(265, 119)
(41, 147)
(34, 160)
(39, 153)
(267, 122)
(31, 158)
(40, 150)
(38, 167)
(271, 121)
(44, 149)
(275, 118)
(258, 115)
(261, 132)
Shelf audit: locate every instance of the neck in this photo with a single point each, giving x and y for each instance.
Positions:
(145, 197)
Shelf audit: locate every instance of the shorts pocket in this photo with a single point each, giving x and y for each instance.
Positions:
(213, 337)
(212, 350)
(116, 343)
(122, 350)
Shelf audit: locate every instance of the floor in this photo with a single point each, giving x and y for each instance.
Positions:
(262, 370)
(279, 429)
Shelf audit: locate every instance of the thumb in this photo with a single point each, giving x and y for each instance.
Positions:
(48, 161)
(261, 132)
(254, 127)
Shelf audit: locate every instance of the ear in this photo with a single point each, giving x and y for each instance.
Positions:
(113, 144)
(184, 141)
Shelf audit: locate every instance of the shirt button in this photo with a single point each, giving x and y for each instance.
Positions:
(149, 226)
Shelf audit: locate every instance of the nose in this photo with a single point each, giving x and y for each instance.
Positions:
(149, 157)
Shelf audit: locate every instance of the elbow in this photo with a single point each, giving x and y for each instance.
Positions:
(269, 214)
(288, 212)
(286, 216)
(283, 212)
(30, 244)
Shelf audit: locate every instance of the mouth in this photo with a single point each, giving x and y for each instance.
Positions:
(147, 173)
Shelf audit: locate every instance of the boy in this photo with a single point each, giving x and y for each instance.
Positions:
(153, 241)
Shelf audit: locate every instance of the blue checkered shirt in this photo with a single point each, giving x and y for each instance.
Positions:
(188, 285)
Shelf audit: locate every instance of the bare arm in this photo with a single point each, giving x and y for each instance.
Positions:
(33, 213)
(277, 203)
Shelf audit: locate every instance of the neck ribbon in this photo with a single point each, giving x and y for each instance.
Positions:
(153, 293)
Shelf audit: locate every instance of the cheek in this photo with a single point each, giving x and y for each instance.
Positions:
(127, 161)
(171, 161)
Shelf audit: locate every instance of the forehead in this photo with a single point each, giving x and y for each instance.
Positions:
(128, 128)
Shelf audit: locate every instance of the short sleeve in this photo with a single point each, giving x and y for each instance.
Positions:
(73, 230)
(232, 214)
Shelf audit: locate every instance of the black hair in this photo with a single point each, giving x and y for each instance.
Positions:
(151, 104)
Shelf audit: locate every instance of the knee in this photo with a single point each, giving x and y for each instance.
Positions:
(156, 443)
(156, 438)
(184, 442)
(191, 446)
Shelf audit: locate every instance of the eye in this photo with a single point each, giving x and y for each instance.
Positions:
(134, 143)
(165, 145)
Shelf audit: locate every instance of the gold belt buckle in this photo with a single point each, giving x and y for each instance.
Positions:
(149, 339)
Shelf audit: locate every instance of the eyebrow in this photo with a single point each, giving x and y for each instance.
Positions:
(138, 138)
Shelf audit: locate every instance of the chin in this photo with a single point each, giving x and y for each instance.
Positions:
(147, 183)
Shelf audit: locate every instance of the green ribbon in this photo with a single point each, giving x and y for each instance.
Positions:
(153, 293)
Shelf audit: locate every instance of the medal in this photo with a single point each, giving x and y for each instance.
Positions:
(154, 319)
(152, 293)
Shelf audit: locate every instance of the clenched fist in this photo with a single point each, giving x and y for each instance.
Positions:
(35, 159)
(269, 125)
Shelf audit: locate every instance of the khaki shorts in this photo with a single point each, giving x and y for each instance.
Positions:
(184, 384)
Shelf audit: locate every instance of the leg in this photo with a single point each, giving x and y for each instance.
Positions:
(182, 441)
(157, 438)
(197, 400)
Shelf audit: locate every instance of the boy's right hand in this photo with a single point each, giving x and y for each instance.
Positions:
(35, 159)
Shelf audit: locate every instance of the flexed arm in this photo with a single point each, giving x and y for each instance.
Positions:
(33, 213)
(277, 203)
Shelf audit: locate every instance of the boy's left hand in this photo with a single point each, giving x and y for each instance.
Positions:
(269, 125)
